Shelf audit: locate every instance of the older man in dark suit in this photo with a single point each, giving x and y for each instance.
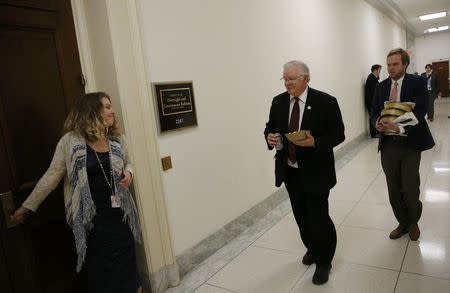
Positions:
(400, 146)
(433, 89)
(306, 166)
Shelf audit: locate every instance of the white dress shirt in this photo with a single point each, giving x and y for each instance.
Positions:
(399, 91)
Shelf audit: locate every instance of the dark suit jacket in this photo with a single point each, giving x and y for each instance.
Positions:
(369, 90)
(322, 117)
(434, 83)
(414, 89)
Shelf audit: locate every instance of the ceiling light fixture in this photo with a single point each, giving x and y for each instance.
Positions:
(433, 15)
(437, 29)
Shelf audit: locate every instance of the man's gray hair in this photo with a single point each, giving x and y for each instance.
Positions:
(302, 68)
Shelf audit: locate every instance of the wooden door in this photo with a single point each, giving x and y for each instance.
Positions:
(441, 69)
(39, 81)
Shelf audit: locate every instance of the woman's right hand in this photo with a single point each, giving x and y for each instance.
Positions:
(19, 214)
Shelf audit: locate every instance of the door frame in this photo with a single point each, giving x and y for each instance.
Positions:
(138, 110)
(443, 60)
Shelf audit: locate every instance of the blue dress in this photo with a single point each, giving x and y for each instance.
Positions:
(110, 264)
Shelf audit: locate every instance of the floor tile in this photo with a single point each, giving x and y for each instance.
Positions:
(260, 270)
(211, 289)
(283, 236)
(339, 210)
(362, 167)
(433, 197)
(435, 222)
(377, 193)
(370, 247)
(372, 216)
(428, 257)
(411, 283)
(348, 191)
(350, 278)
(439, 181)
(356, 175)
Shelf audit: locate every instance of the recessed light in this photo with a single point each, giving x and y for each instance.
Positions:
(433, 15)
(437, 29)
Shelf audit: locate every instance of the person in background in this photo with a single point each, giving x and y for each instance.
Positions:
(306, 166)
(92, 158)
(369, 90)
(433, 89)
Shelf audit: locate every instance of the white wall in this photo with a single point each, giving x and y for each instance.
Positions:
(431, 47)
(108, 34)
(234, 51)
(98, 30)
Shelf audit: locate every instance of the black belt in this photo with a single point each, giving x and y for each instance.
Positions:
(395, 139)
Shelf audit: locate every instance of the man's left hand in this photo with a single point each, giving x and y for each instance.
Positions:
(390, 126)
(307, 142)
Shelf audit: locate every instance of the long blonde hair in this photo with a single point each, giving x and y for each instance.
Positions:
(85, 118)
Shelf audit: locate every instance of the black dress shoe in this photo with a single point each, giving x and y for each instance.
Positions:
(308, 259)
(321, 274)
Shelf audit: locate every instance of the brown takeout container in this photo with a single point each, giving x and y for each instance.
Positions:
(405, 107)
(392, 110)
(296, 135)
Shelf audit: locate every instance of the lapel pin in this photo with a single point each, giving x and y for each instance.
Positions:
(309, 108)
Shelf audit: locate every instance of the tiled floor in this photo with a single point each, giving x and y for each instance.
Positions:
(366, 259)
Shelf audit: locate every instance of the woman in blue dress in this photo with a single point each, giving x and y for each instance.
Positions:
(92, 158)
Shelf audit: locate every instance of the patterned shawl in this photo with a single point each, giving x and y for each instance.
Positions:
(80, 209)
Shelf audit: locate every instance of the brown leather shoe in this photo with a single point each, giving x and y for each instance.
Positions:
(414, 232)
(398, 232)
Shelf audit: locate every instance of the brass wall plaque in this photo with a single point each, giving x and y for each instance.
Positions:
(176, 107)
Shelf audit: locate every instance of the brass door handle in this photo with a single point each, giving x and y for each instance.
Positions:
(8, 208)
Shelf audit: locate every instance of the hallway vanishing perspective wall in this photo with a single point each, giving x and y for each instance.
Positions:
(234, 52)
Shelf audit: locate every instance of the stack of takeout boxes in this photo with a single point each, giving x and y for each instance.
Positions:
(393, 110)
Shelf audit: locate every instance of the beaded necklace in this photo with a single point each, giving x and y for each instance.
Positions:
(110, 183)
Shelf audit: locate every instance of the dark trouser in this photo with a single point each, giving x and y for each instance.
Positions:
(401, 167)
(311, 214)
(431, 97)
(372, 130)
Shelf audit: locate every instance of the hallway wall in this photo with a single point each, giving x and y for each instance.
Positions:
(234, 51)
(431, 47)
(101, 50)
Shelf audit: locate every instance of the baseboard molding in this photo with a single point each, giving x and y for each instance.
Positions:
(351, 145)
(159, 281)
(194, 256)
(197, 254)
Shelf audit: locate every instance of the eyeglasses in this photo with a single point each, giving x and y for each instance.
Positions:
(291, 79)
